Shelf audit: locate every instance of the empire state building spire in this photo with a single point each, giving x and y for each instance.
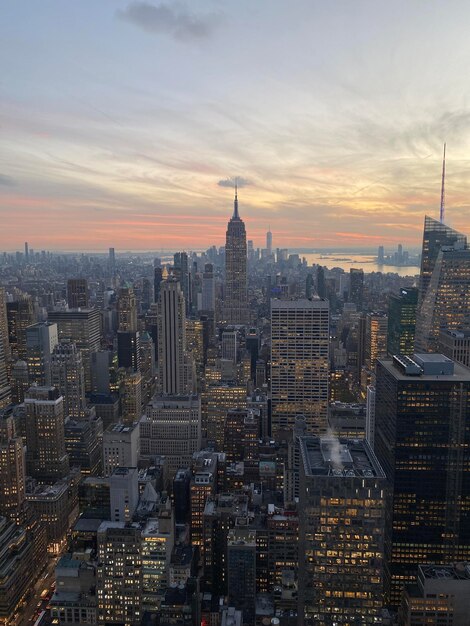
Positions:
(235, 204)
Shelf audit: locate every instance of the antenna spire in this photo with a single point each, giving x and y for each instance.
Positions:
(443, 207)
(235, 202)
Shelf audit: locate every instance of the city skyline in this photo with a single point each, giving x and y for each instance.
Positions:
(131, 135)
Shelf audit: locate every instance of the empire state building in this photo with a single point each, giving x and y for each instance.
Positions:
(236, 296)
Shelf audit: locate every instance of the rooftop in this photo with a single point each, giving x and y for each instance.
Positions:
(426, 367)
(339, 457)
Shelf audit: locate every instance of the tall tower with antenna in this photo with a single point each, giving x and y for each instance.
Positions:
(443, 208)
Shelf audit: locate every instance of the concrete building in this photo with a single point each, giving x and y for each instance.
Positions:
(41, 339)
(299, 363)
(121, 447)
(123, 493)
(236, 286)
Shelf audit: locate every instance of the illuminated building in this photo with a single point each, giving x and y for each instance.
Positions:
(299, 363)
(121, 447)
(83, 442)
(171, 427)
(119, 574)
(83, 327)
(181, 272)
(441, 597)
(195, 344)
(68, 376)
(16, 570)
(130, 394)
(56, 507)
(77, 293)
(203, 485)
(128, 350)
(147, 367)
(217, 400)
(127, 310)
(12, 468)
(221, 513)
(375, 339)
(422, 438)
(241, 435)
(341, 517)
(4, 326)
(356, 287)
(436, 235)
(20, 315)
(241, 572)
(5, 389)
(236, 290)
(74, 599)
(156, 550)
(46, 455)
(446, 304)
(402, 321)
(41, 339)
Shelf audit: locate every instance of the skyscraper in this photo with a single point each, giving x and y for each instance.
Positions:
(174, 365)
(299, 363)
(269, 242)
(84, 328)
(422, 439)
(5, 389)
(41, 339)
(4, 325)
(77, 293)
(46, 455)
(356, 287)
(12, 468)
(20, 315)
(208, 289)
(446, 303)
(402, 321)
(236, 294)
(181, 272)
(68, 376)
(342, 517)
(435, 236)
(127, 310)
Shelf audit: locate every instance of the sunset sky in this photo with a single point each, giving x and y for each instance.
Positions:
(122, 123)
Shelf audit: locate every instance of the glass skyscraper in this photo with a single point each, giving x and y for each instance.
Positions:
(402, 321)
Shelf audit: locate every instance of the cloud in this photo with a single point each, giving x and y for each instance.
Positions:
(7, 180)
(230, 182)
(169, 19)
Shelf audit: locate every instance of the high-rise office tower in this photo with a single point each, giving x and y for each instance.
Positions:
(83, 327)
(456, 345)
(230, 345)
(269, 242)
(157, 279)
(241, 571)
(68, 376)
(130, 394)
(112, 261)
(356, 287)
(375, 339)
(119, 574)
(172, 427)
(12, 468)
(208, 289)
(422, 426)
(128, 349)
(217, 400)
(341, 534)
(123, 493)
(436, 235)
(147, 366)
(181, 272)
(299, 363)
(41, 339)
(5, 389)
(446, 304)
(4, 326)
(77, 293)
(46, 456)
(236, 293)
(20, 315)
(402, 321)
(127, 310)
(174, 365)
(121, 447)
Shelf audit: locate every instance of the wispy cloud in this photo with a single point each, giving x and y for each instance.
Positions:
(169, 19)
(7, 180)
(230, 182)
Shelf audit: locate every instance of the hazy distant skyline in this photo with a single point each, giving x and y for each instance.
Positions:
(123, 123)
